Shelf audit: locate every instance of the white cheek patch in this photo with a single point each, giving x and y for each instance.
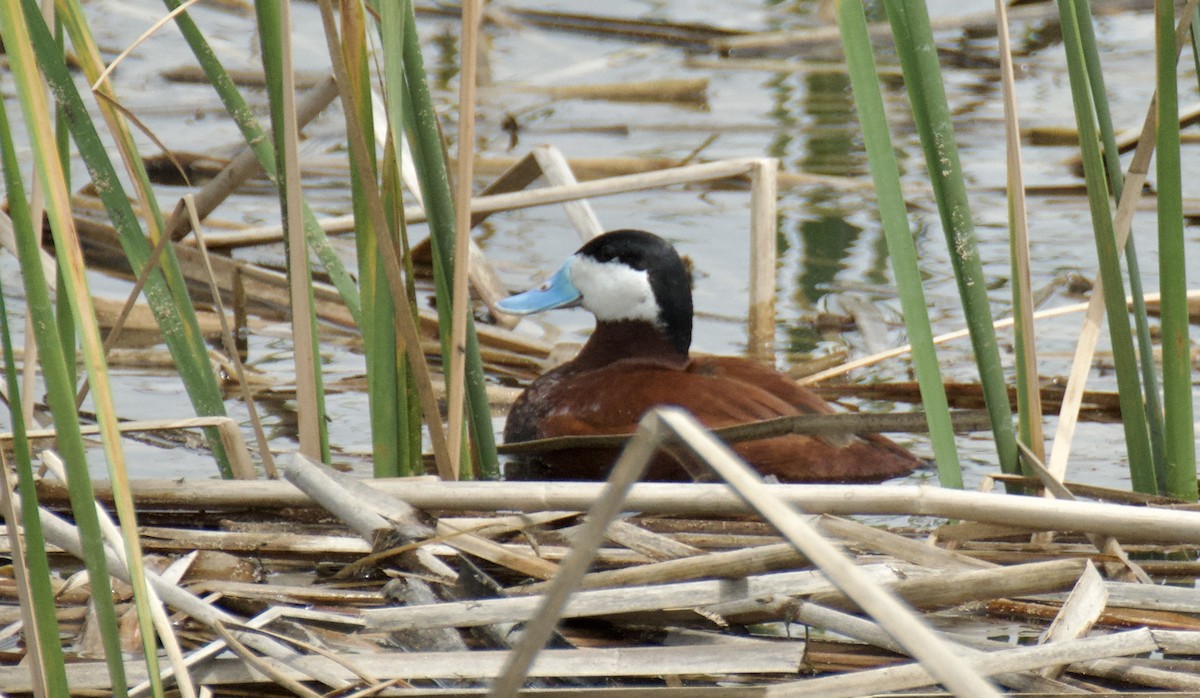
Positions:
(613, 291)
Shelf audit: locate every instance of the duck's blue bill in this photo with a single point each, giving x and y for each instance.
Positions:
(555, 293)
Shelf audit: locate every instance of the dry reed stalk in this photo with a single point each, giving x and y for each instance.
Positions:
(516, 560)
(1110, 618)
(764, 258)
(270, 667)
(776, 65)
(1128, 138)
(1078, 614)
(621, 184)
(1105, 544)
(64, 535)
(308, 410)
(732, 564)
(960, 334)
(870, 632)
(520, 175)
(1003, 661)
(245, 164)
(679, 90)
(264, 449)
(1106, 494)
(797, 42)
(605, 602)
(1153, 597)
(267, 288)
(31, 629)
(896, 618)
(1031, 421)
(369, 513)
(949, 589)
(231, 437)
(898, 546)
(456, 376)
(1027, 514)
(250, 77)
(1127, 671)
(141, 319)
(658, 31)
(278, 545)
(378, 518)
(655, 546)
(162, 624)
(558, 173)
(288, 594)
(760, 657)
(628, 469)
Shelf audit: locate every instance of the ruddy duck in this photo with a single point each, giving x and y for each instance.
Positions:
(639, 290)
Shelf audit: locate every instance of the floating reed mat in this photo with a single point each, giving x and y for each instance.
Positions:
(405, 587)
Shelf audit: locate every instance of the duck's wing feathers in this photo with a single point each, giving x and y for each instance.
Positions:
(718, 393)
(612, 400)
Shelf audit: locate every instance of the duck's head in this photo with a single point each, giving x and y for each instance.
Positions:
(624, 275)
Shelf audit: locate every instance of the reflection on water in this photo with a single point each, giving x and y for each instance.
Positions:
(832, 128)
(827, 239)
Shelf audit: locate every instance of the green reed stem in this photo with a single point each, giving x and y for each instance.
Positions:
(60, 392)
(391, 39)
(1137, 436)
(1176, 345)
(1116, 177)
(165, 291)
(259, 141)
(901, 250)
(1195, 34)
(74, 278)
(273, 33)
(48, 647)
(421, 120)
(931, 113)
(62, 137)
(385, 364)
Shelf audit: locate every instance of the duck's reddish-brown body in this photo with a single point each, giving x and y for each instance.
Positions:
(626, 368)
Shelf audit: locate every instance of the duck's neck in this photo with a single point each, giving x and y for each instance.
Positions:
(627, 339)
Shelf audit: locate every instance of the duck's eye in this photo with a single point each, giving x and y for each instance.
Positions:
(606, 253)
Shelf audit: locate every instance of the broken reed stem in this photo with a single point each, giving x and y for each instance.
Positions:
(760, 324)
